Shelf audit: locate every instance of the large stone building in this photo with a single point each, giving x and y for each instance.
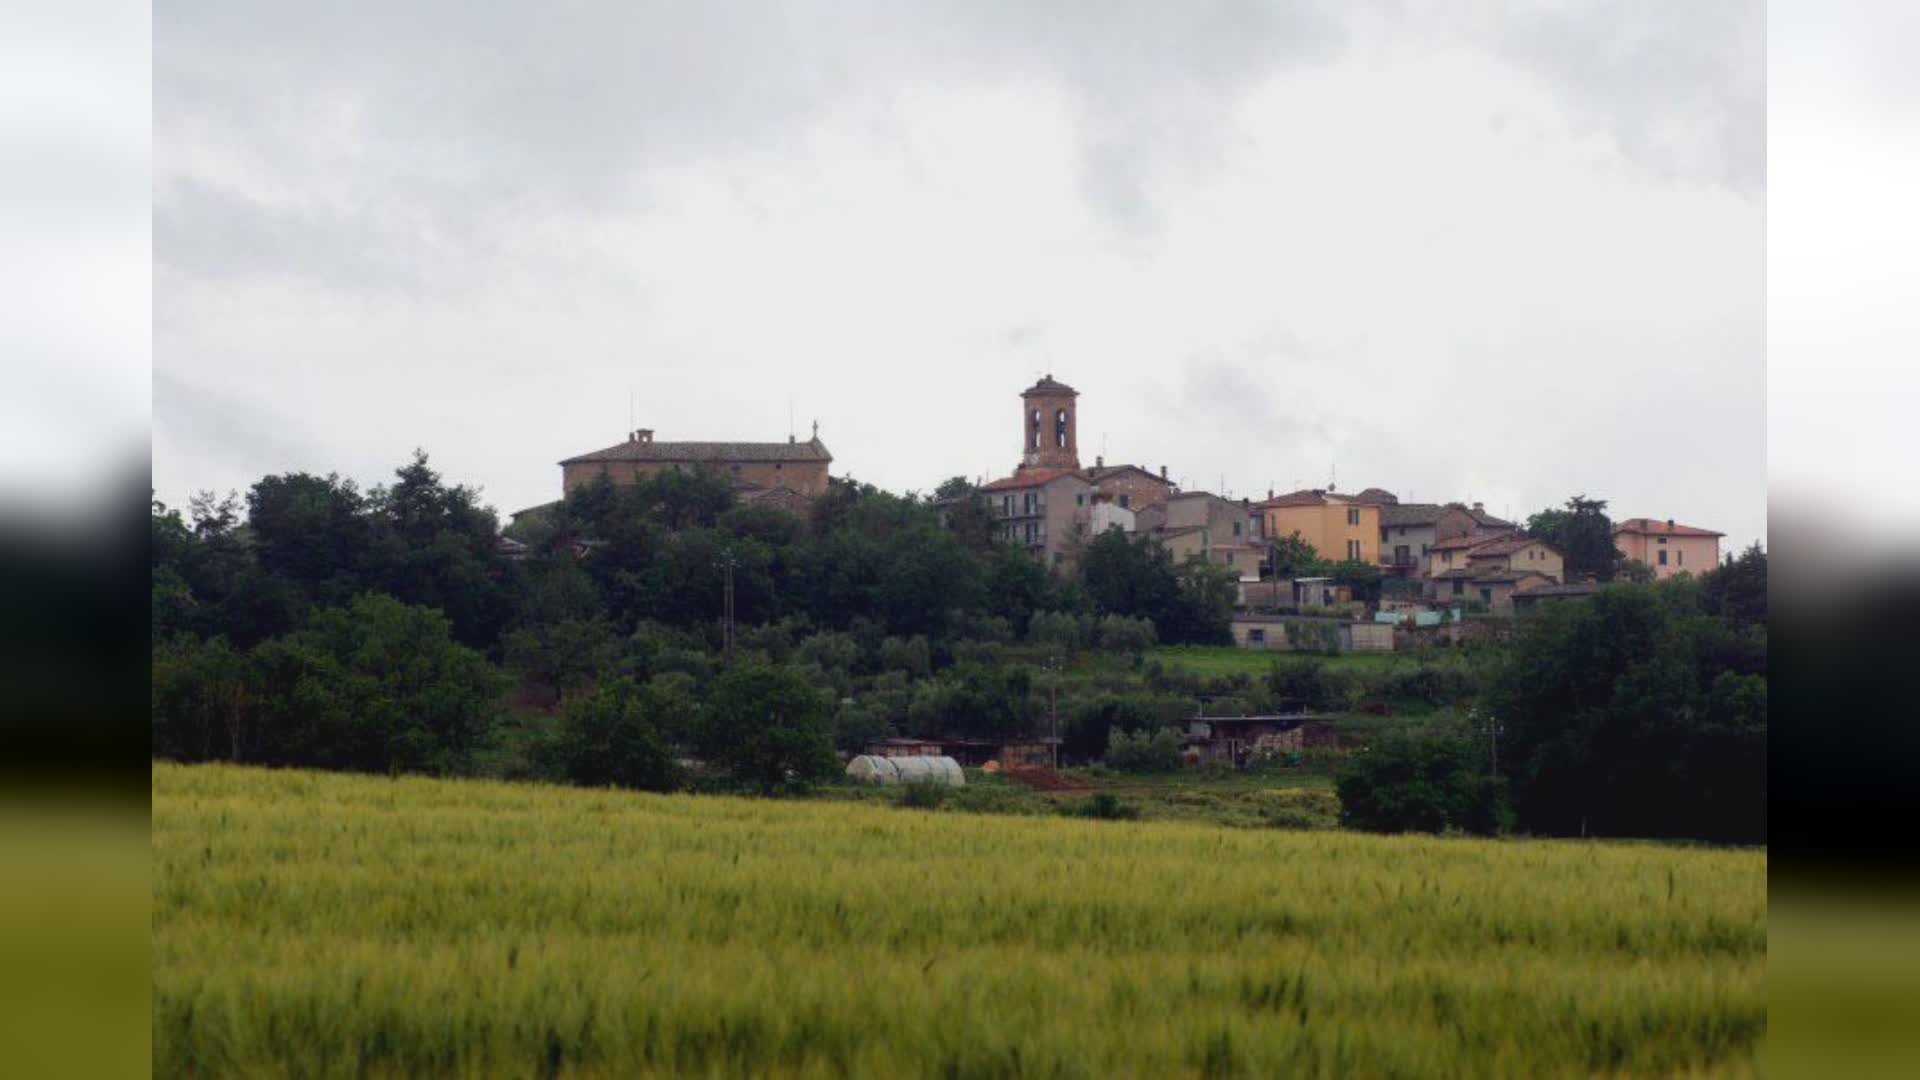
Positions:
(779, 472)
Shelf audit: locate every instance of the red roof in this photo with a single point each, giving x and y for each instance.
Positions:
(1314, 497)
(1029, 478)
(1650, 527)
(1456, 543)
(1505, 545)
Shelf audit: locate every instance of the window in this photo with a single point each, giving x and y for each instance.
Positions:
(1256, 636)
(1663, 558)
(1458, 586)
(1353, 550)
(1080, 499)
(1229, 558)
(1006, 506)
(1486, 596)
(1125, 501)
(1680, 556)
(1236, 528)
(1353, 515)
(1402, 555)
(1660, 540)
(1060, 428)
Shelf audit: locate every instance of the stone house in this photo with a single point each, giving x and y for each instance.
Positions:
(1046, 511)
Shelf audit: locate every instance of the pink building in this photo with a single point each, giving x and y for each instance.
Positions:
(1667, 547)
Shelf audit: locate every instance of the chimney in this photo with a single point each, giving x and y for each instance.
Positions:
(789, 438)
(1479, 507)
(1669, 523)
(644, 435)
(1163, 472)
(1099, 461)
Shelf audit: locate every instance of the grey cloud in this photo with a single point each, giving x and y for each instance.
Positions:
(218, 427)
(223, 233)
(1682, 87)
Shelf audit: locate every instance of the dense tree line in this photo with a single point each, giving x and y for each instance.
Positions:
(318, 624)
(1640, 712)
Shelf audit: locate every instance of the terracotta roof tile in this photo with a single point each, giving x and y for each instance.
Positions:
(707, 452)
(1409, 514)
(1028, 479)
(1651, 527)
(1313, 497)
(1505, 545)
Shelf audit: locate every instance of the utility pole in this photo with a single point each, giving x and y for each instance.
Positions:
(726, 602)
(1053, 707)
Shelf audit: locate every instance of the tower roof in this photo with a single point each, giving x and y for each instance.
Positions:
(1050, 386)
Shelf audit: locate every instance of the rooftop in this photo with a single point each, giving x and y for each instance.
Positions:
(1575, 589)
(1049, 385)
(1027, 478)
(1505, 545)
(1101, 472)
(1377, 497)
(1651, 527)
(1308, 497)
(1393, 514)
(1458, 543)
(640, 446)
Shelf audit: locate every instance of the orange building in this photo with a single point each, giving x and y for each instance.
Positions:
(1338, 526)
(1668, 548)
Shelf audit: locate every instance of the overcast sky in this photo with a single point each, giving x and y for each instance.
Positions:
(1508, 255)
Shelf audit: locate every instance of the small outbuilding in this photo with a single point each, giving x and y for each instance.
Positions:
(923, 769)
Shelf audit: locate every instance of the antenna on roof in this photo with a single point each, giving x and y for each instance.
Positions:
(789, 417)
(629, 410)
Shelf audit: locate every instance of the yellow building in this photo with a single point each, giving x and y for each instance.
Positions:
(1338, 527)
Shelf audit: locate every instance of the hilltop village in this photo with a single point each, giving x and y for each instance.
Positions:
(1387, 562)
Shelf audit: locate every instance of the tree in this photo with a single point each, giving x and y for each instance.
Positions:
(769, 727)
(1362, 578)
(1291, 556)
(435, 545)
(1156, 751)
(614, 737)
(1428, 781)
(1737, 588)
(202, 700)
(1634, 714)
(313, 531)
(1584, 535)
(377, 686)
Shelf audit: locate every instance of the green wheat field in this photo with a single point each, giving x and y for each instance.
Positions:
(310, 924)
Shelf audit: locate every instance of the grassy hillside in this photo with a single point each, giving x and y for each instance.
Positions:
(1216, 660)
(317, 924)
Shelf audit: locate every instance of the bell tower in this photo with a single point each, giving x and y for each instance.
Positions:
(1048, 419)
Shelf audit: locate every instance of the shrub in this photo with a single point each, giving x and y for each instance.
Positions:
(1313, 637)
(613, 737)
(1106, 806)
(923, 796)
(1303, 683)
(1421, 782)
(1158, 751)
(1118, 633)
